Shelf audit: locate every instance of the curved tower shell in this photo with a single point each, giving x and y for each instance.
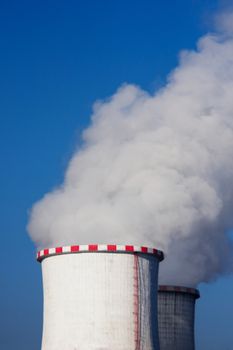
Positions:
(176, 316)
(100, 297)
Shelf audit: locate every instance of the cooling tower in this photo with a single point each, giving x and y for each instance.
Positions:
(100, 297)
(176, 313)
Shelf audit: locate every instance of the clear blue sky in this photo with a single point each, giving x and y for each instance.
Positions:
(56, 59)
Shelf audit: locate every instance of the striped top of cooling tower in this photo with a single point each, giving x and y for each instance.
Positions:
(178, 289)
(112, 248)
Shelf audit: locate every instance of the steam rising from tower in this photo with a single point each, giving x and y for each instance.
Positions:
(156, 170)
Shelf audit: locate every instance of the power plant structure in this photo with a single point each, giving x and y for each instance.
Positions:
(176, 316)
(100, 297)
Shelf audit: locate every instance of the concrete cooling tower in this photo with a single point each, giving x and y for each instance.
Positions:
(100, 297)
(176, 314)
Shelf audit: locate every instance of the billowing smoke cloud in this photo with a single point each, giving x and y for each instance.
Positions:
(156, 170)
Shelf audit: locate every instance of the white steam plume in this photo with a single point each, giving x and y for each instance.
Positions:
(156, 170)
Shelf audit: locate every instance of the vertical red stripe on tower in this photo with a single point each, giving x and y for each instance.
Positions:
(136, 305)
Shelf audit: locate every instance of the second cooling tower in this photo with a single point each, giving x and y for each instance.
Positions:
(176, 316)
(100, 297)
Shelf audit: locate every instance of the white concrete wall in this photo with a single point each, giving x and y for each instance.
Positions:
(100, 301)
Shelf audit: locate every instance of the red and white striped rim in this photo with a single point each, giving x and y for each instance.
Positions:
(178, 289)
(112, 248)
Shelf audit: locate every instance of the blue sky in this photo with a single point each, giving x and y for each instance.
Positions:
(57, 58)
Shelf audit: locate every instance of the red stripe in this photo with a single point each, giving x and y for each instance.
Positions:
(129, 248)
(74, 248)
(92, 247)
(58, 250)
(112, 247)
(95, 247)
(136, 305)
(144, 249)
